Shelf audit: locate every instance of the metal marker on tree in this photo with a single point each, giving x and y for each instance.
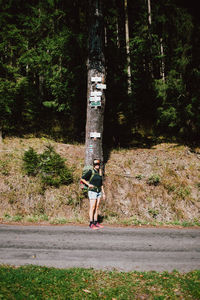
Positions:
(96, 75)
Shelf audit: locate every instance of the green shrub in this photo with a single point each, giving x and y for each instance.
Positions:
(31, 161)
(49, 165)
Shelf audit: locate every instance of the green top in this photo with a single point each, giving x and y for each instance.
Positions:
(96, 180)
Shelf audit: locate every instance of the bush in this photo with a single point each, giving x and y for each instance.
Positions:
(31, 161)
(49, 165)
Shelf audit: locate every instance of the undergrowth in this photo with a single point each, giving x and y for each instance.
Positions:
(160, 185)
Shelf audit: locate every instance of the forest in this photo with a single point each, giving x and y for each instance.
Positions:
(152, 65)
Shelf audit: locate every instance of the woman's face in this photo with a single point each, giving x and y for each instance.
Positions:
(96, 166)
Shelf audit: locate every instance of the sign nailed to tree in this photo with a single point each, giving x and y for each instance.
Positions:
(95, 134)
(96, 93)
(101, 86)
(96, 79)
(95, 98)
(95, 103)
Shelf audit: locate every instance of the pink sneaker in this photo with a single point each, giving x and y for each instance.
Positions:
(92, 226)
(99, 225)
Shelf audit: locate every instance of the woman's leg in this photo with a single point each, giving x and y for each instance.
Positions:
(96, 214)
(96, 209)
(92, 209)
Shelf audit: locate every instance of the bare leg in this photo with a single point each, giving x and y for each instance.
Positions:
(92, 209)
(96, 209)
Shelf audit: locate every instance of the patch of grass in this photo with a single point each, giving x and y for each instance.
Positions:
(153, 212)
(73, 201)
(184, 223)
(133, 221)
(4, 167)
(59, 221)
(153, 180)
(139, 176)
(189, 224)
(36, 218)
(183, 192)
(198, 185)
(34, 282)
(29, 218)
(114, 219)
(17, 218)
(170, 187)
(6, 217)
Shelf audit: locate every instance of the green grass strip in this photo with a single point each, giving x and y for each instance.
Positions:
(34, 282)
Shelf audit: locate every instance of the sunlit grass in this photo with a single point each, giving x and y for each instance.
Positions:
(111, 220)
(34, 282)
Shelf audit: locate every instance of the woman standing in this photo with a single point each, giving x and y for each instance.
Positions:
(93, 180)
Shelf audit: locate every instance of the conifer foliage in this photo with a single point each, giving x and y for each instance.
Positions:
(49, 166)
(43, 68)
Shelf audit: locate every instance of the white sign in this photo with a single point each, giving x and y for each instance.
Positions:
(95, 99)
(96, 79)
(101, 86)
(96, 93)
(95, 134)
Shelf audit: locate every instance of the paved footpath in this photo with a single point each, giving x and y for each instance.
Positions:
(125, 249)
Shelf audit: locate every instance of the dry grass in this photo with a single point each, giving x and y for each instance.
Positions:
(161, 184)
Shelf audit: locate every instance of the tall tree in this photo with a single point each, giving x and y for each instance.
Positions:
(96, 75)
(127, 46)
(150, 38)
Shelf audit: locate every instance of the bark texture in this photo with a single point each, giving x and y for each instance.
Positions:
(96, 68)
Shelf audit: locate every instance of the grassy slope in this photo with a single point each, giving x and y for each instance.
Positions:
(161, 184)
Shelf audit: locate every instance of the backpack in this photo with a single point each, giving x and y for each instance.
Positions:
(85, 170)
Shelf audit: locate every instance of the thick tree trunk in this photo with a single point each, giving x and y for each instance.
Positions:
(96, 69)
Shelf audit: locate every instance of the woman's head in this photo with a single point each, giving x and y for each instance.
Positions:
(96, 162)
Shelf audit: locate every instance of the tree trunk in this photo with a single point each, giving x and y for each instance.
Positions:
(150, 39)
(149, 12)
(1, 134)
(162, 69)
(96, 69)
(127, 47)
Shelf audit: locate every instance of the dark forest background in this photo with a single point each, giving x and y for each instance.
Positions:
(43, 70)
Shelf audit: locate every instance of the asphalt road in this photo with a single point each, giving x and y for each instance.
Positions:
(125, 249)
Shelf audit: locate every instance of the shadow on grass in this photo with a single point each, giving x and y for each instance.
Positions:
(139, 141)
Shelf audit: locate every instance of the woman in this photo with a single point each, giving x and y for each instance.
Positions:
(93, 180)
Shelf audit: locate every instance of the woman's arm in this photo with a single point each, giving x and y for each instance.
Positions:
(87, 183)
(103, 192)
(86, 179)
